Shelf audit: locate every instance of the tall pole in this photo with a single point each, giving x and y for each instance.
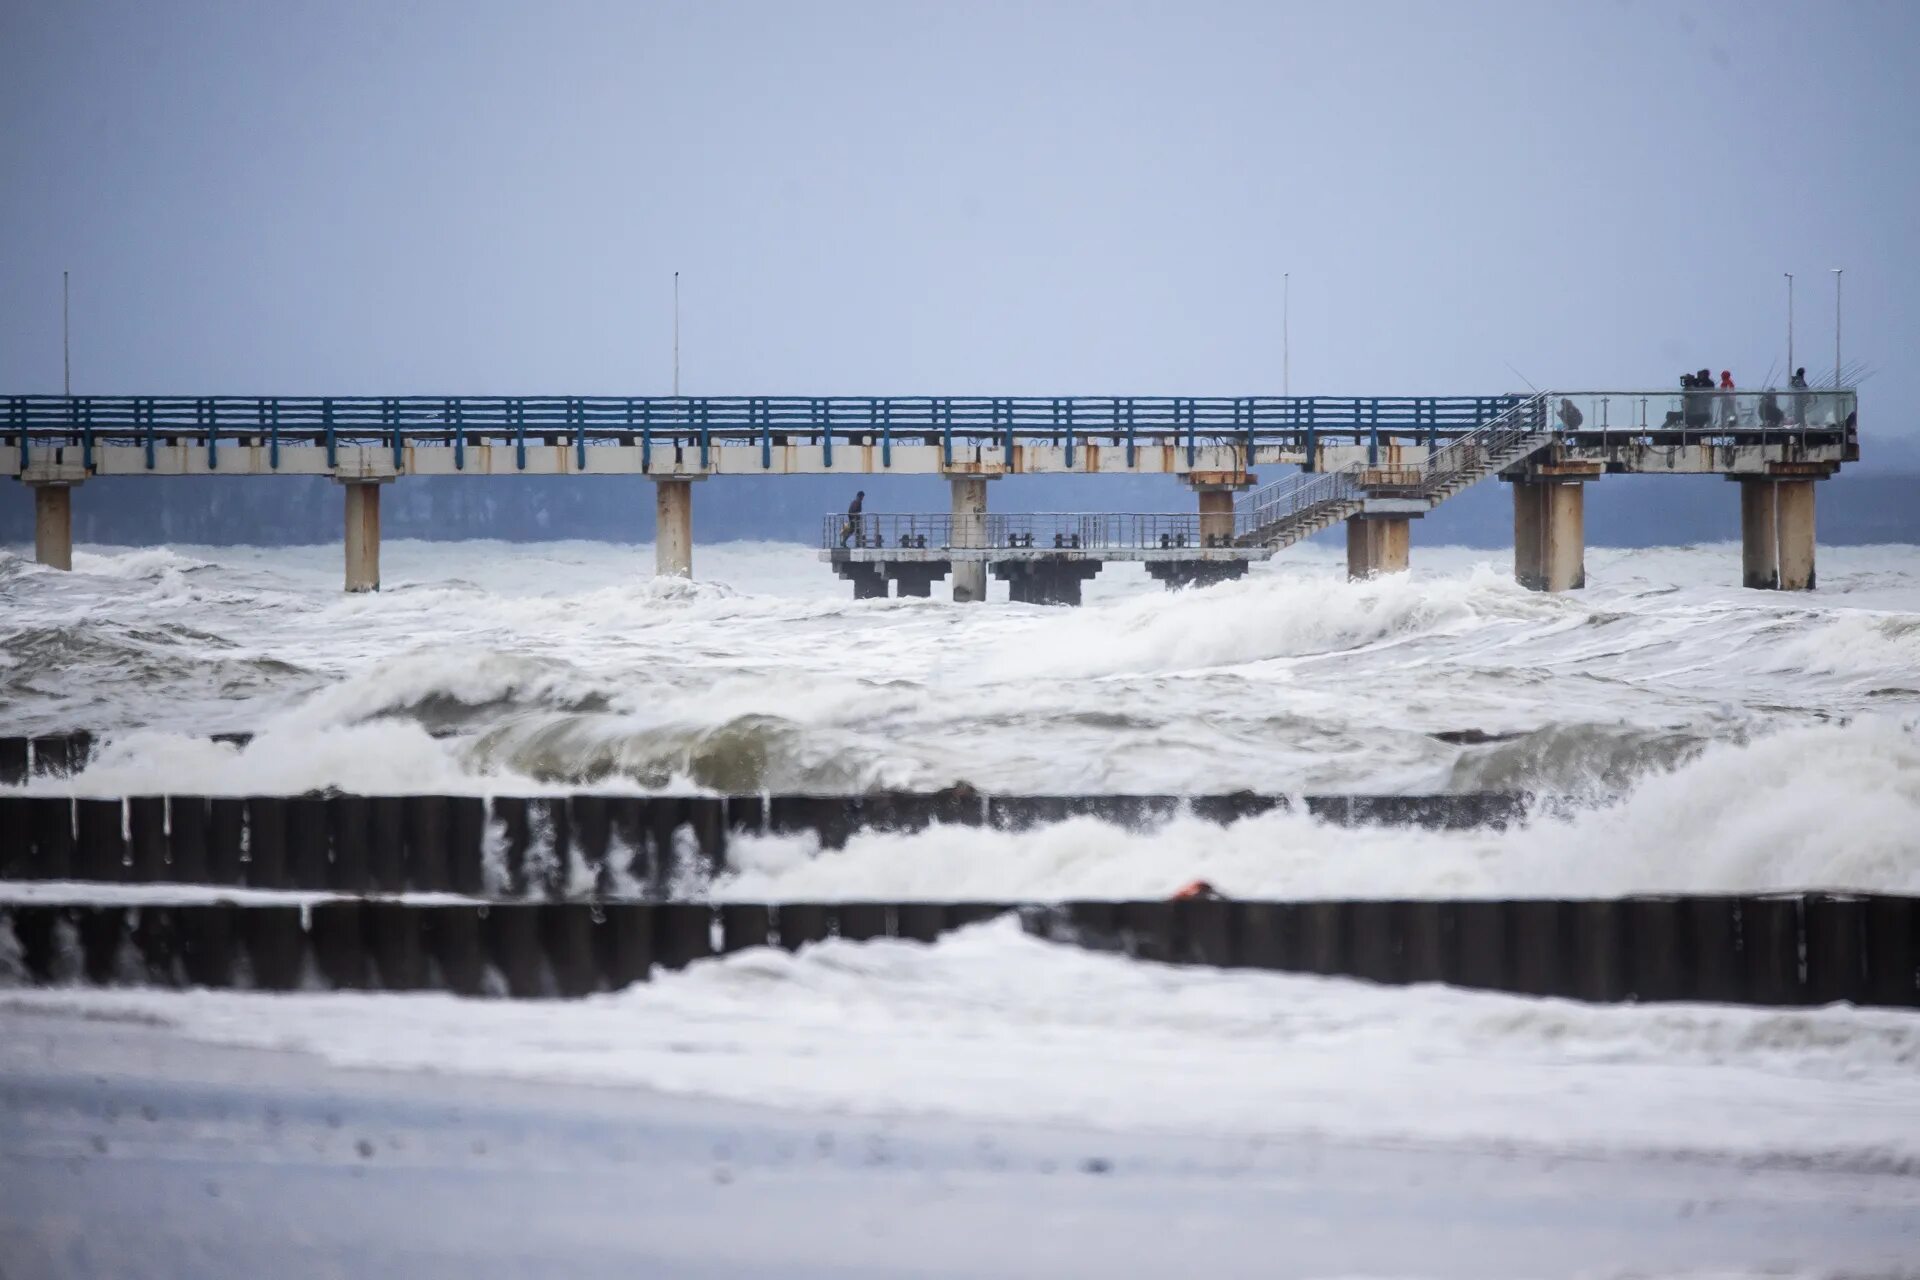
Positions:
(1837, 272)
(66, 341)
(1790, 364)
(676, 334)
(1286, 335)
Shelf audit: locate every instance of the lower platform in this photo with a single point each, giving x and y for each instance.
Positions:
(1035, 575)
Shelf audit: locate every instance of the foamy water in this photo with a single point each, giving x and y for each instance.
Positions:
(1743, 739)
(989, 1024)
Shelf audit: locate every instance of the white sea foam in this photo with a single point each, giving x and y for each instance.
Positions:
(1807, 808)
(992, 1024)
(568, 665)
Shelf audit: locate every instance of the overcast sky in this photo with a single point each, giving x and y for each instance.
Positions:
(865, 198)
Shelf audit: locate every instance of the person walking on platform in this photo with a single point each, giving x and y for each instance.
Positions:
(1799, 385)
(1724, 404)
(852, 526)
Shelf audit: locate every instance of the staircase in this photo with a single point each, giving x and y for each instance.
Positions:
(1282, 513)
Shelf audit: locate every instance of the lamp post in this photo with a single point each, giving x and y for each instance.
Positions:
(1837, 273)
(1286, 335)
(676, 335)
(1790, 365)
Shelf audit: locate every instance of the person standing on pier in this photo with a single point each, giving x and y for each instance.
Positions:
(852, 526)
(1723, 407)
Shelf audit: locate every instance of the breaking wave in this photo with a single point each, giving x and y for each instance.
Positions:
(1808, 808)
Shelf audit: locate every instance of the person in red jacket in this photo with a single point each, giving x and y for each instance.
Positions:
(1723, 405)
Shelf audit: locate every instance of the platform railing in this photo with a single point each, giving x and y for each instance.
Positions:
(1050, 417)
(1707, 417)
(1038, 531)
(996, 427)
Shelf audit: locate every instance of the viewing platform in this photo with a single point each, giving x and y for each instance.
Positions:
(1044, 558)
(1376, 463)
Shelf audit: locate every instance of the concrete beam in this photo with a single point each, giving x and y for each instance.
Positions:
(673, 529)
(1377, 545)
(1549, 535)
(53, 525)
(176, 456)
(969, 530)
(363, 537)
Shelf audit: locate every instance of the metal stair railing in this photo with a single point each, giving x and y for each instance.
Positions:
(1285, 511)
(1497, 443)
(1282, 513)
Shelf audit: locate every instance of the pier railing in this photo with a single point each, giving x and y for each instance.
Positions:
(1704, 416)
(982, 424)
(975, 417)
(1058, 531)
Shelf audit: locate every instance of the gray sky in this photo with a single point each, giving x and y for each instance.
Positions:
(276, 196)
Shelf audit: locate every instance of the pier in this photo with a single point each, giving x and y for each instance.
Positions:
(1376, 464)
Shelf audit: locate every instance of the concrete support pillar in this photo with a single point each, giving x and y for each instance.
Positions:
(1048, 580)
(1793, 518)
(1777, 534)
(1377, 545)
(673, 529)
(1195, 573)
(363, 537)
(1549, 535)
(914, 579)
(53, 525)
(1216, 517)
(969, 530)
(1759, 536)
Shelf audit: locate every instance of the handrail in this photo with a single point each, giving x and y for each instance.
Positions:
(1294, 501)
(1296, 495)
(1032, 530)
(1466, 453)
(759, 420)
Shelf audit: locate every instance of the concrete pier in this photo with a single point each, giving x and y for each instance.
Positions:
(1051, 580)
(1175, 574)
(363, 537)
(1793, 521)
(869, 580)
(1759, 536)
(916, 580)
(673, 529)
(1216, 516)
(53, 525)
(1377, 545)
(969, 530)
(1777, 534)
(1549, 534)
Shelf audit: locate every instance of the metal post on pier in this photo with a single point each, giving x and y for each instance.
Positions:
(1838, 272)
(1790, 364)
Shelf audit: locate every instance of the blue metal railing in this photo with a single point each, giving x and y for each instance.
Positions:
(745, 419)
